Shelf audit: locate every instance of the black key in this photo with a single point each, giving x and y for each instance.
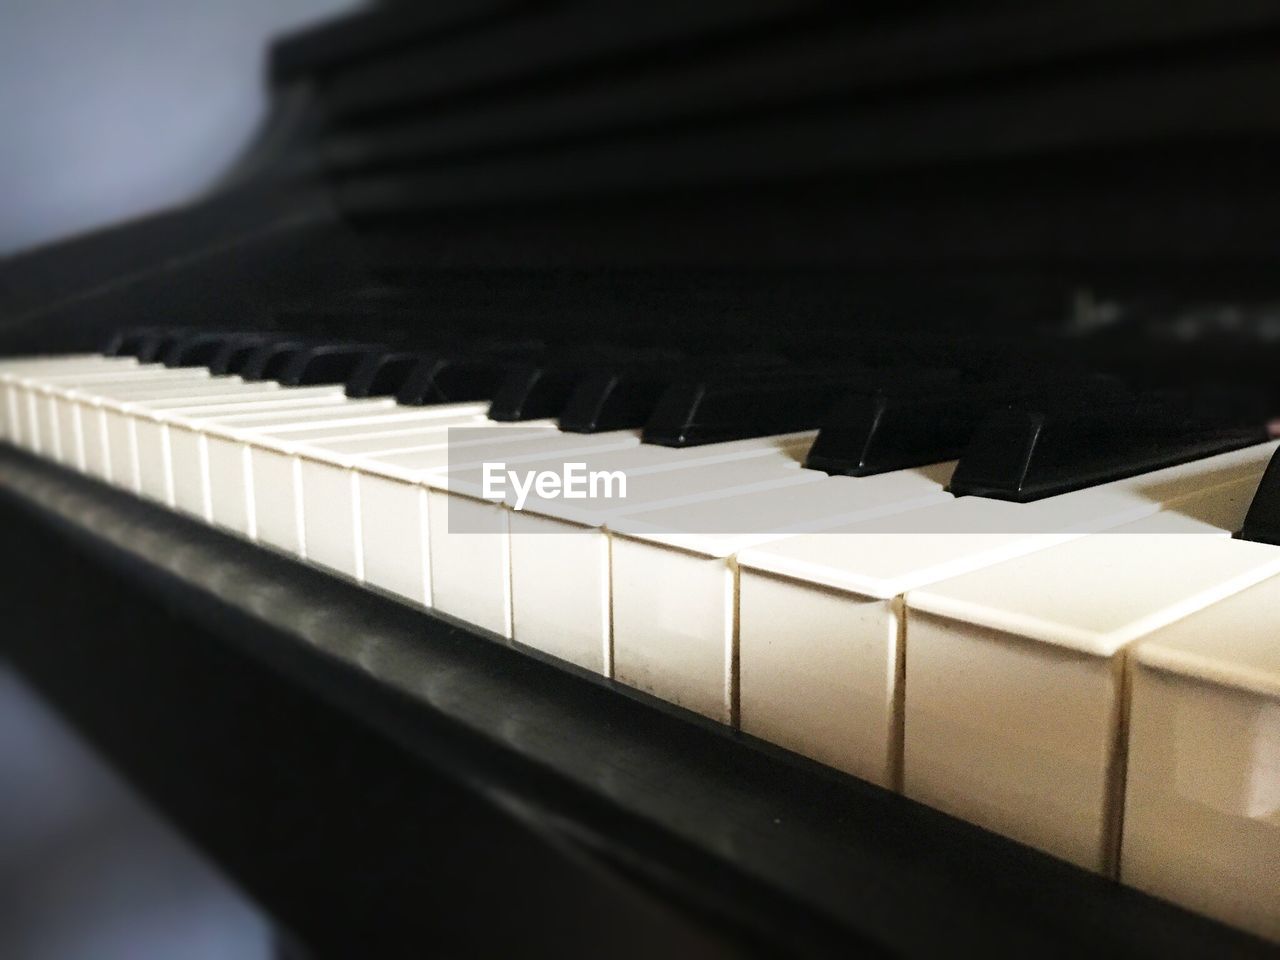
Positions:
(159, 347)
(147, 344)
(538, 389)
(755, 404)
(875, 433)
(381, 374)
(455, 379)
(534, 391)
(1024, 455)
(624, 396)
(201, 349)
(326, 363)
(269, 360)
(616, 399)
(1262, 522)
(132, 341)
(232, 357)
(928, 421)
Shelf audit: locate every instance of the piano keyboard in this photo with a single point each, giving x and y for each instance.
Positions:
(1058, 637)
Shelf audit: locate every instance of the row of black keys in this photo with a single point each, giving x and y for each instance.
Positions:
(1017, 437)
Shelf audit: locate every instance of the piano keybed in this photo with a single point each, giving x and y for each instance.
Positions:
(1092, 672)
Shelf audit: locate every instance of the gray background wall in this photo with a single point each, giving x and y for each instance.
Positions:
(109, 108)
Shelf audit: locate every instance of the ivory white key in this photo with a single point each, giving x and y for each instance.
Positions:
(276, 472)
(227, 477)
(87, 408)
(1015, 674)
(69, 413)
(14, 371)
(115, 416)
(675, 582)
(435, 418)
(37, 418)
(188, 449)
(63, 405)
(1202, 796)
(69, 361)
(490, 584)
(329, 487)
(465, 574)
(820, 637)
(192, 485)
(560, 585)
(149, 423)
(231, 444)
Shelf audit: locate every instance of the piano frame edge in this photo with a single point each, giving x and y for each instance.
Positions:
(277, 715)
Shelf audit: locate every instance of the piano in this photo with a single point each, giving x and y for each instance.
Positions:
(723, 479)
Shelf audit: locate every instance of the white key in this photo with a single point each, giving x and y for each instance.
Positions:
(467, 575)
(67, 423)
(328, 490)
(74, 407)
(11, 365)
(38, 421)
(1015, 673)
(14, 370)
(820, 615)
(254, 446)
(174, 426)
(276, 469)
(1202, 798)
(675, 582)
(228, 473)
(376, 548)
(116, 415)
(560, 584)
(149, 421)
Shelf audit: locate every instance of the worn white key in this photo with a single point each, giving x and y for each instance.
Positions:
(560, 586)
(675, 582)
(1202, 797)
(1015, 674)
(465, 573)
(820, 615)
